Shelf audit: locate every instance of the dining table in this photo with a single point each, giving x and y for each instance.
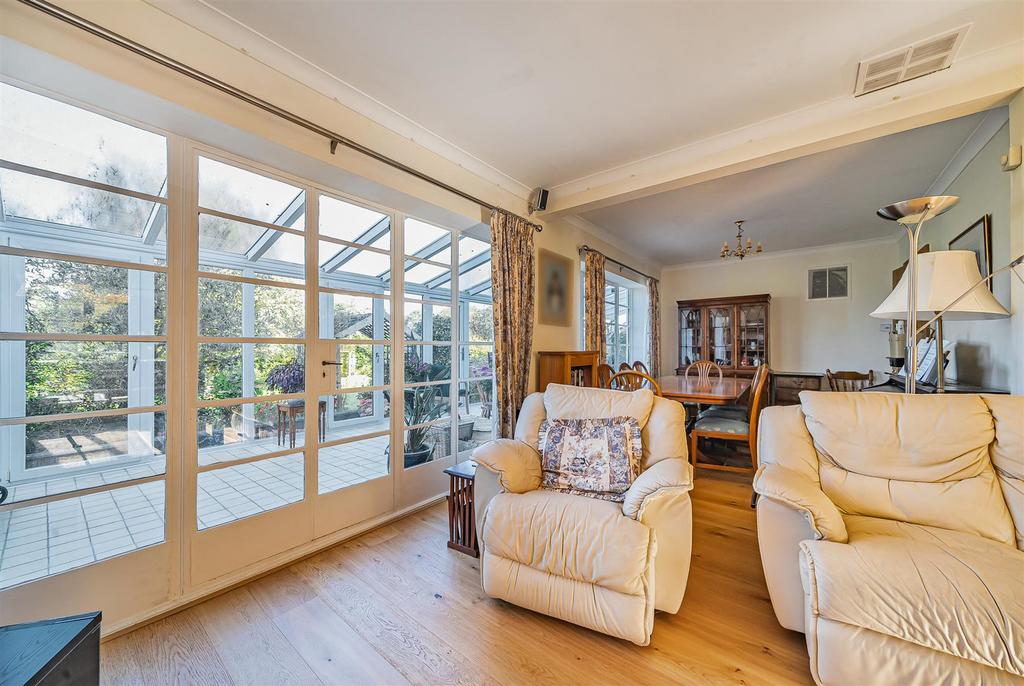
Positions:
(713, 391)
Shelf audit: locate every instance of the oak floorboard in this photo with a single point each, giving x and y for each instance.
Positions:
(421, 656)
(336, 652)
(608, 660)
(250, 645)
(174, 650)
(119, 665)
(453, 606)
(397, 606)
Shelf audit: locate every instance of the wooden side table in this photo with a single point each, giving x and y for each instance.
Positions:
(287, 413)
(461, 517)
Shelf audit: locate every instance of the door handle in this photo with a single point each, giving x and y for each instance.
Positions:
(326, 363)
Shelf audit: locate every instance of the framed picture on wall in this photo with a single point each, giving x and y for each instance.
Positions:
(555, 286)
(978, 239)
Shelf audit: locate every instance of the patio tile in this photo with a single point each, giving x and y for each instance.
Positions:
(22, 568)
(69, 539)
(96, 530)
(70, 564)
(8, 580)
(30, 556)
(71, 556)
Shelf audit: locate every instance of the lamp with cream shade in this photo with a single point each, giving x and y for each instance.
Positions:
(946, 286)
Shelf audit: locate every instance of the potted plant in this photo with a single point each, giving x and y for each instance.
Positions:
(423, 404)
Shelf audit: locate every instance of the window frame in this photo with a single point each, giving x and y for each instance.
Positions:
(827, 269)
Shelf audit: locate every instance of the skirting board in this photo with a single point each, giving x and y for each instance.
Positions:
(269, 566)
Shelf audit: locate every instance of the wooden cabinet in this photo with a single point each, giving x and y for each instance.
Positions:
(786, 386)
(572, 367)
(733, 332)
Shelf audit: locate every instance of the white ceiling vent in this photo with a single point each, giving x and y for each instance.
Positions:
(923, 57)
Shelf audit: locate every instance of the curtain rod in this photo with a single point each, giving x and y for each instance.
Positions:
(587, 248)
(335, 139)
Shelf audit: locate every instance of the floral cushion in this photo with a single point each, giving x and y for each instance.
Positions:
(598, 458)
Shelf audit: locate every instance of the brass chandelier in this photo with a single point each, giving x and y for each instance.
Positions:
(740, 250)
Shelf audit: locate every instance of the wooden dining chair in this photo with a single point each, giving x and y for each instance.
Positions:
(730, 429)
(703, 370)
(639, 366)
(605, 372)
(740, 410)
(625, 367)
(849, 382)
(631, 380)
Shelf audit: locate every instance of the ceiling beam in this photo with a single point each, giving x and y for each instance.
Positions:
(978, 83)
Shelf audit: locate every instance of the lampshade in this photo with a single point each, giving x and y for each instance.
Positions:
(911, 211)
(942, 277)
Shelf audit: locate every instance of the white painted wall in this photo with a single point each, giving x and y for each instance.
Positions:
(806, 336)
(982, 353)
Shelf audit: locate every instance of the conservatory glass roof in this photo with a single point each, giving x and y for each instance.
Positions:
(238, 209)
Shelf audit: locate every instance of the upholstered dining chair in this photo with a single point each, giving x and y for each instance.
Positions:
(703, 369)
(639, 366)
(741, 410)
(633, 381)
(728, 428)
(605, 372)
(848, 382)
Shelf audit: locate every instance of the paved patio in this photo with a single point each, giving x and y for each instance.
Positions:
(41, 540)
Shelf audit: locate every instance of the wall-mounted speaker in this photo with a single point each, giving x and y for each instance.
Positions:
(538, 201)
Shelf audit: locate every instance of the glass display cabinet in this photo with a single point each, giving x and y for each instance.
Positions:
(732, 332)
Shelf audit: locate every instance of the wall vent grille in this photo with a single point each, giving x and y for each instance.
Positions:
(910, 62)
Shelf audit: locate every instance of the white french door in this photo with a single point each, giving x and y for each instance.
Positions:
(208, 365)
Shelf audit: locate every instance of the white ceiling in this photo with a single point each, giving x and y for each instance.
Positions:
(821, 199)
(547, 93)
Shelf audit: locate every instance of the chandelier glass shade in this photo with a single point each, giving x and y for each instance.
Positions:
(742, 249)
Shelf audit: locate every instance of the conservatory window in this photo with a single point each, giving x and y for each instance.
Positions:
(83, 336)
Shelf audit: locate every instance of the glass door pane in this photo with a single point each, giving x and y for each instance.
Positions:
(250, 387)
(691, 342)
(720, 331)
(428, 389)
(752, 335)
(355, 330)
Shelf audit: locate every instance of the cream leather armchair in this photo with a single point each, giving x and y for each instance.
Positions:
(603, 565)
(891, 531)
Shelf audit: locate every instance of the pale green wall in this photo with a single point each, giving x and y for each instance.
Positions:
(983, 353)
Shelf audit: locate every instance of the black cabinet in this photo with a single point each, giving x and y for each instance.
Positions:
(53, 652)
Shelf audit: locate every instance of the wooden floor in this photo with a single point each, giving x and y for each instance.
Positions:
(395, 606)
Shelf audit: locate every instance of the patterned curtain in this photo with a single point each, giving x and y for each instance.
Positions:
(593, 292)
(654, 326)
(512, 278)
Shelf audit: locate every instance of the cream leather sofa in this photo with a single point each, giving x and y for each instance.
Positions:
(891, 530)
(603, 565)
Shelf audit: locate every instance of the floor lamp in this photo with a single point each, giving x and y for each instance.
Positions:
(947, 287)
(908, 213)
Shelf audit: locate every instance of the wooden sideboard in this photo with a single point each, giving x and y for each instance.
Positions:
(572, 367)
(786, 386)
(732, 332)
